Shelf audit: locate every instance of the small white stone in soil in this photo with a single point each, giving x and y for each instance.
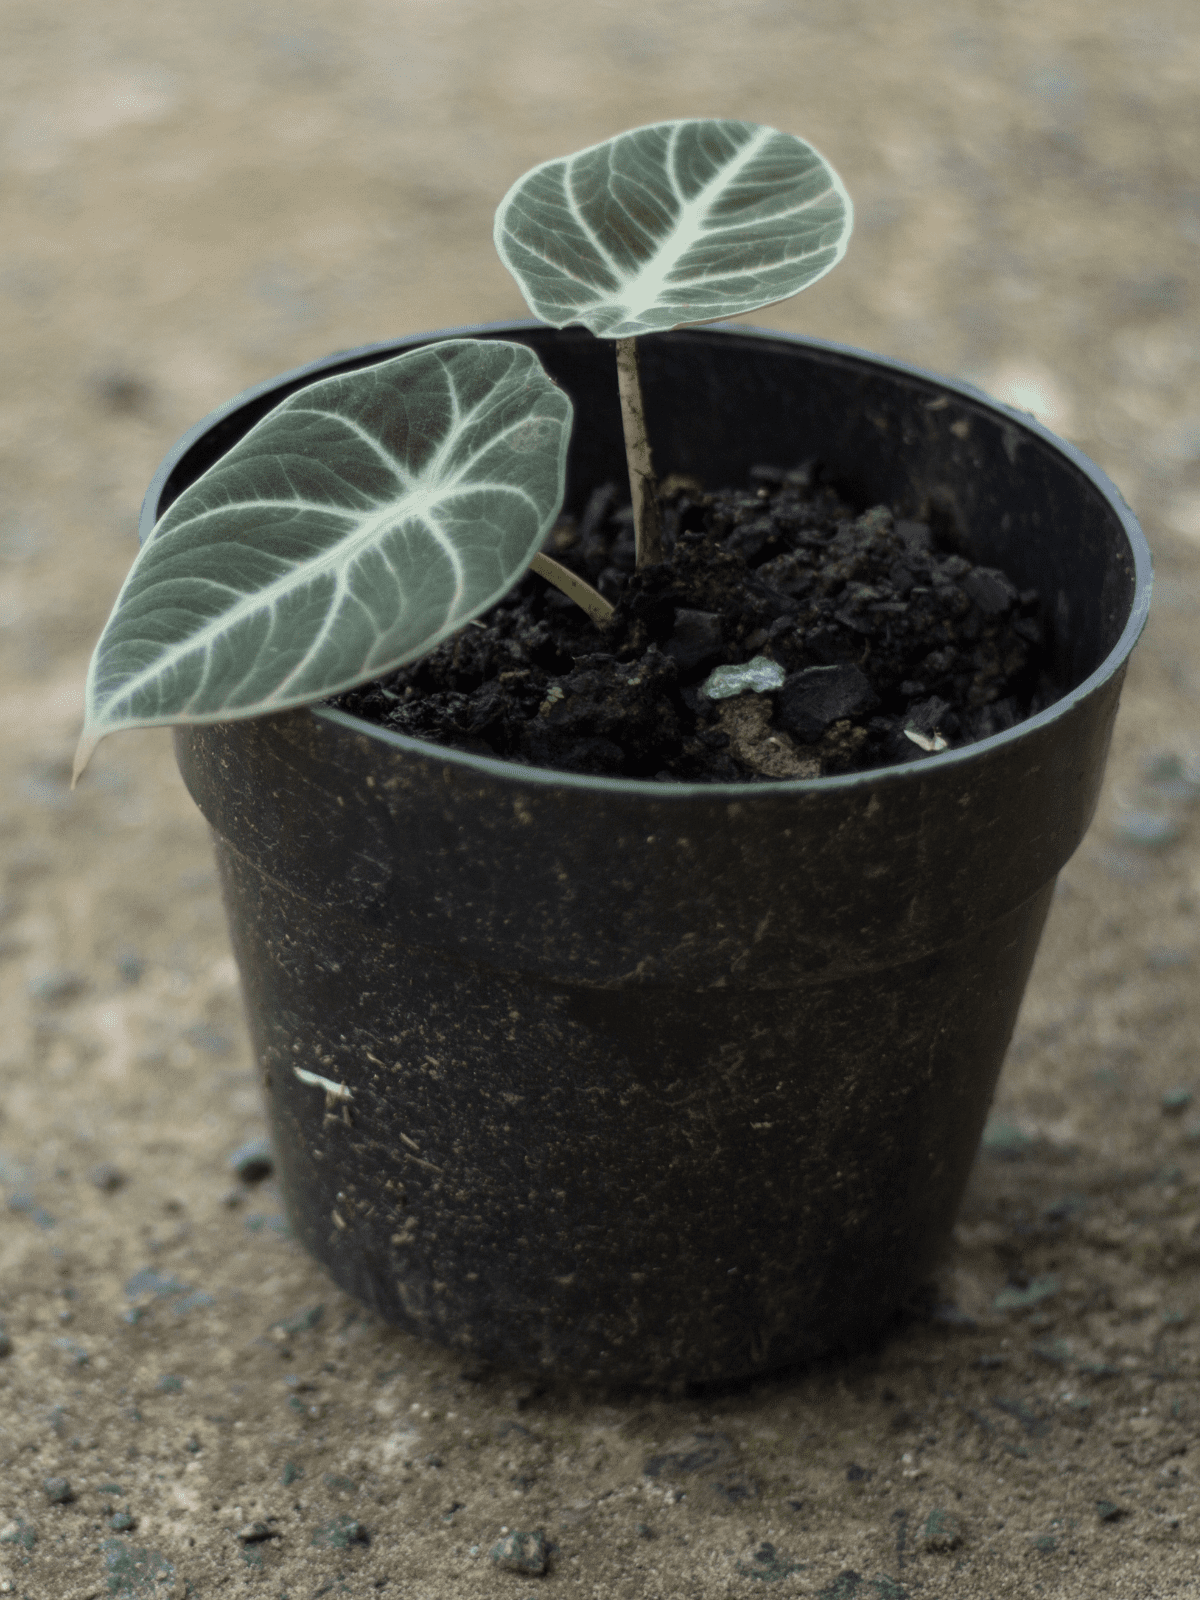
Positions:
(759, 675)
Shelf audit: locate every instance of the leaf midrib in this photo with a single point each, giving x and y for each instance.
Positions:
(644, 290)
(635, 297)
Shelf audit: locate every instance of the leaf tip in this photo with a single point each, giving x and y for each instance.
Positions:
(83, 753)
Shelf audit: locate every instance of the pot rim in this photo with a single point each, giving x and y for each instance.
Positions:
(493, 767)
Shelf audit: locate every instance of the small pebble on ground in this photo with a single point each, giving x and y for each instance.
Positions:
(521, 1552)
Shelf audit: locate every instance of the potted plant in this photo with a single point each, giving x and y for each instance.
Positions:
(638, 1080)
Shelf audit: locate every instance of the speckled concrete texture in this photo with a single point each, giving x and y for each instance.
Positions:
(195, 198)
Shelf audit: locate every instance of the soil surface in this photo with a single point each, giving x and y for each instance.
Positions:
(861, 644)
(197, 198)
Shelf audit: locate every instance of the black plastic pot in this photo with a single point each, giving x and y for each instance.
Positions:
(648, 1082)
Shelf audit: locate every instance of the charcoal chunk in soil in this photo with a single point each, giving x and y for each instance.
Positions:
(931, 716)
(695, 640)
(811, 700)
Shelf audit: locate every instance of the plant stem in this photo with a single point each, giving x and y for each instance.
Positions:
(596, 606)
(647, 514)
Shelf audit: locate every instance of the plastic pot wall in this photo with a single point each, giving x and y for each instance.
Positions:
(647, 1082)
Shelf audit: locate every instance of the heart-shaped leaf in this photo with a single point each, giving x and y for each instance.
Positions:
(673, 223)
(358, 524)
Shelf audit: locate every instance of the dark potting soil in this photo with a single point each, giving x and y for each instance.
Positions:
(862, 641)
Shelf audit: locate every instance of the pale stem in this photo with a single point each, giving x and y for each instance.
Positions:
(596, 606)
(647, 515)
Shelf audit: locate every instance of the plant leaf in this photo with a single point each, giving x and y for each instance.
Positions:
(359, 523)
(672, 223)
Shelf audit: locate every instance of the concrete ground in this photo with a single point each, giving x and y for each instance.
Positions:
(196, 197)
